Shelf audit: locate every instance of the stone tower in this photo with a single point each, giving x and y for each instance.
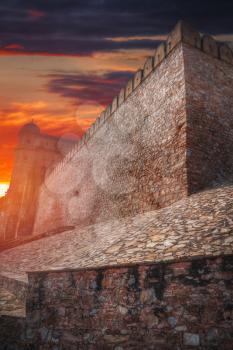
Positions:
(35, 154)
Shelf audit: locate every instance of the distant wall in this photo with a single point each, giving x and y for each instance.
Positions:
(135, 161)
(35, 155)
(180, 305)
(209, 96)
(2, 224)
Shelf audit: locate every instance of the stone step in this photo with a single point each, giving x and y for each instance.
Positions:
(10, 305)
(13, 284)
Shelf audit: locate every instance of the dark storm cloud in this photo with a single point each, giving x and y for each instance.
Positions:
(81, 26)
(88, 89)
(69, 46)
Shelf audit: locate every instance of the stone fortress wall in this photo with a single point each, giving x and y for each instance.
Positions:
(165, 136)
(180, 305)
(161, 279)
(125, 166)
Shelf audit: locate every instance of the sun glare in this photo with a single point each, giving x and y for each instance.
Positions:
(3, 189)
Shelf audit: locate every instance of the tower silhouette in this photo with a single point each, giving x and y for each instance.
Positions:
(35, 154)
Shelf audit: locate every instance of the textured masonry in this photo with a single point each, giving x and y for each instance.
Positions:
(161, 279)
(183, 32)
(158, 115)
(160, 306)
(125, 165)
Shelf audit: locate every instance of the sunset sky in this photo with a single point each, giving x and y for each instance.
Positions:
(62, 61)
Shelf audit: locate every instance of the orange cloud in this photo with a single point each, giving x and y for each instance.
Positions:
(25, 95)
(139, 37)
(36, 13)
(18, 52)
(14, 46)
(59, 121)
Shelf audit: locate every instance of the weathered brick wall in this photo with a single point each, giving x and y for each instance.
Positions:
(178, 305)
(209, 100)
(134, 162)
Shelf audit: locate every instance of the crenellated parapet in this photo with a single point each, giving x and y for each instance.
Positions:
(182, 33)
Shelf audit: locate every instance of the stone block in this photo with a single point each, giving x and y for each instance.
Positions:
(81, 142)
(93, 127)
(97, 122)
(172, 321)
(212, 335)
(183, 32)
(87, 134)
(108, 111)
(121, 97)
(91, 130)
(148, 67)
(137, 78)
(191, 339)
(102, 117)
(114, 104)
(210, 46)
(226, 53)
(147, 296)
(159, 55)
(74, 150)
(129, 88)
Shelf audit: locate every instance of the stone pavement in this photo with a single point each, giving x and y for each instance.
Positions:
(200, 225)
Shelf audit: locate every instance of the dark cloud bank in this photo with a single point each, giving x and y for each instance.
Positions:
(88, 89)
(80, 27)
(85, 27)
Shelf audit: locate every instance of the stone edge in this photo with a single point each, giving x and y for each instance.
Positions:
(133, 264)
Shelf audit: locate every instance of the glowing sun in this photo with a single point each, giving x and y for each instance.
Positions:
(3, 189)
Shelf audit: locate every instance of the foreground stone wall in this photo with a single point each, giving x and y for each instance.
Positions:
(134, 162)
(178, 305)
(13, 334)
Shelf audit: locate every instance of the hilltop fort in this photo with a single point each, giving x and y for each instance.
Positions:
(127, 236)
